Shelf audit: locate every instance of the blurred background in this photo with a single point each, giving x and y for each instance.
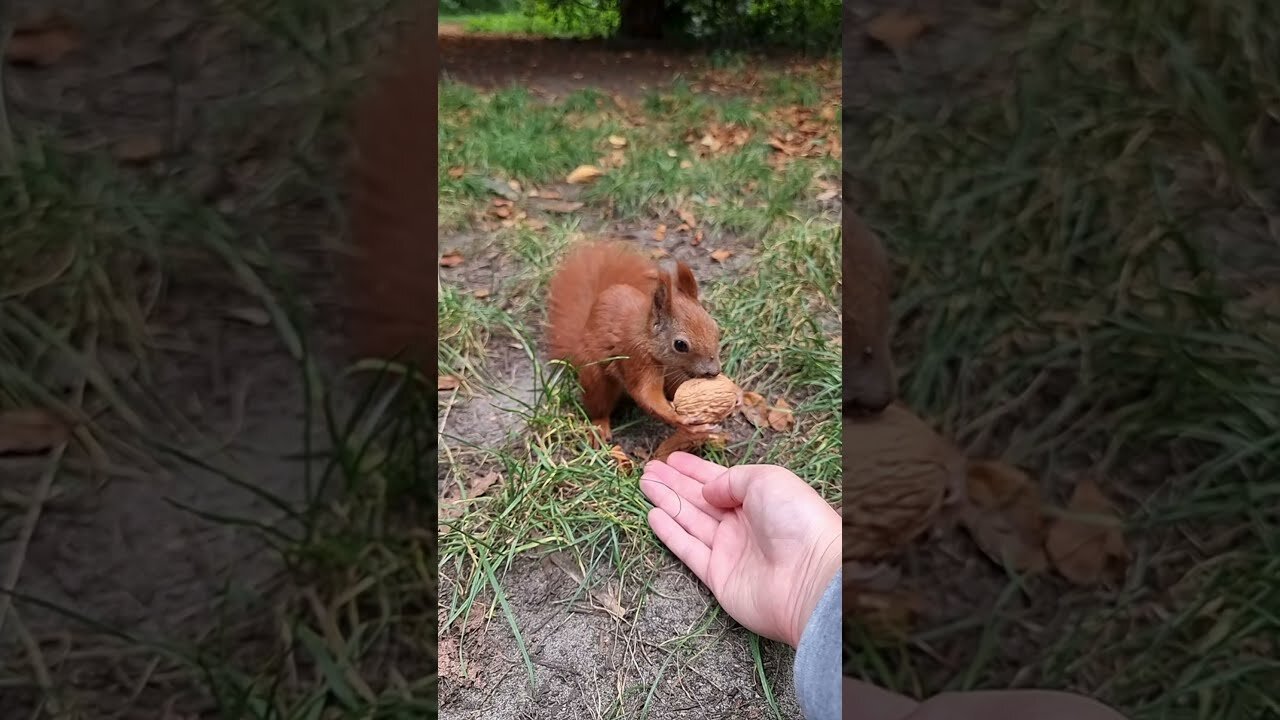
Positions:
(201, 514)
(1080, 198)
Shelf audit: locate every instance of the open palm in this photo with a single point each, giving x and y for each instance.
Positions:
(763, 541)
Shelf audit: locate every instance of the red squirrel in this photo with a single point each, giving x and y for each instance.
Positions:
(869, 378)
(629, 325)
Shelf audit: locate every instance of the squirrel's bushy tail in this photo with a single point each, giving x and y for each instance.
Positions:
(390, 288)
(584, 272)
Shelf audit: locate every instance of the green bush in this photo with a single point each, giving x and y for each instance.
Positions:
(576, 18)
(810, 25)
(476, 7)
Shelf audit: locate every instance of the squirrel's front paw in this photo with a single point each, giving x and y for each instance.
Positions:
(697, 424)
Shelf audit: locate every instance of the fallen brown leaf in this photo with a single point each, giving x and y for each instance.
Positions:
(447, 382)
(607, 598)
(687, 217)
(660, 233)
(885, 614)
(621, 458)
(457, 172)
(658, 253)
(139, 148)
(781, 418)
(583, 174)
(1083, 543)
(451, 259)
(897, 29)
(453, 504)
(755, 409)
(560, 206)
(43, 42)
(450, 668)
(479, 486)
(447, 665)
(449, 509)
(1004, 515)
(782, 147)
(481, 293)
(617, 141)
(31, 430)
(721, 255)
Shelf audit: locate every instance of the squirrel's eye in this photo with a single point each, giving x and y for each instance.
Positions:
(682, 346)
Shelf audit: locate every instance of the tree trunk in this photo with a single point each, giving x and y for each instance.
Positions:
(641, 19)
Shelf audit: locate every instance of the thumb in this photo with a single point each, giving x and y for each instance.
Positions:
(729, 488)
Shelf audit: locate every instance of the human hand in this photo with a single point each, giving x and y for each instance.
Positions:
(759, 537)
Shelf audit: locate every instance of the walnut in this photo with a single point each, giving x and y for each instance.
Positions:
(712, 398)
(898, 475)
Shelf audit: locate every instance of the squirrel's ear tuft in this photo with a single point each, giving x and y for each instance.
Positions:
(662, 297)
(685, 281)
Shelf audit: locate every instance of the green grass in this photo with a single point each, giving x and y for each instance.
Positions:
(737, 192)
(778, 317)
(507, 23)
(75, 304)
(1060, 228)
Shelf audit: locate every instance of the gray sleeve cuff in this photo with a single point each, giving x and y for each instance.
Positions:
(817, 667)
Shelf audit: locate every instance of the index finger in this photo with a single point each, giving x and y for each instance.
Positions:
(722, 487)
(704, 471)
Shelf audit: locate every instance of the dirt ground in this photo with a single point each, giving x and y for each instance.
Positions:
(583, 657)
(553, 68)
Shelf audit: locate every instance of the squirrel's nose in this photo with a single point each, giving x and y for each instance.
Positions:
(711, 370)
